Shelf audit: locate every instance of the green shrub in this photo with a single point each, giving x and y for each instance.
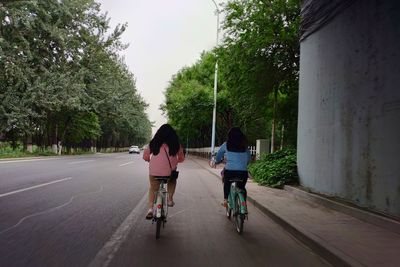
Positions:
(276, 169)
(7, 151)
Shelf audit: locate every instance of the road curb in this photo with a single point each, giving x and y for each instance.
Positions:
(316, 244)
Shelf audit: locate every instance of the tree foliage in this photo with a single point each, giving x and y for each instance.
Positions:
(189, 102)
(62, 79)
(258, 76)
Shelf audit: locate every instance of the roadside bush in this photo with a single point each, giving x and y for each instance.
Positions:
(7, 151)
(276, 169)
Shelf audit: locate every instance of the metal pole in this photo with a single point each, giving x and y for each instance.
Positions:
(215, 89)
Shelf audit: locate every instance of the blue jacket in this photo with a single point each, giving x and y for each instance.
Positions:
(235, 161)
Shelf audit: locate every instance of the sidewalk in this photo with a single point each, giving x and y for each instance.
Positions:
(341, 239)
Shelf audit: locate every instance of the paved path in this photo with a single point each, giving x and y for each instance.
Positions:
(89, 211)
(340, 237)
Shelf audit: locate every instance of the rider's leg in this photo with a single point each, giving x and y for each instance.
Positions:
(171, 190)
(154, 185)
(227, 189)
(242, 185)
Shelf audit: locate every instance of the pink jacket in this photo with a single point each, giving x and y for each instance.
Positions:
(158, 164)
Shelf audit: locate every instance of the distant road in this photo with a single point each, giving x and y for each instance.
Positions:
(89, 211)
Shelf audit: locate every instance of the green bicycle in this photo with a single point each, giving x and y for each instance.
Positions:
(237, 205)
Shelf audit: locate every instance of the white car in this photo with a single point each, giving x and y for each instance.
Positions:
(134, 149)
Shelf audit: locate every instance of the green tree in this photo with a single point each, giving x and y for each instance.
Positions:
(259, 59)
(189, 103)
(258, 76)
(61, 76)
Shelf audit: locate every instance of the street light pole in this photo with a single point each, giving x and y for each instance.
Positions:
(215, 89)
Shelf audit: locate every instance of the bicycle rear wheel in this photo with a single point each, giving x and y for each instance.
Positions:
(158, 227)
(239, 218)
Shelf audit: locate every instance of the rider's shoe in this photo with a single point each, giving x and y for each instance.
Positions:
(149, 215)
(171, 203)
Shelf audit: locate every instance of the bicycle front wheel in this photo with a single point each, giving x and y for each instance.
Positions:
(228, 212)
(239, 218)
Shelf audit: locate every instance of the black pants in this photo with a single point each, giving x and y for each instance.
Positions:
(229, 175)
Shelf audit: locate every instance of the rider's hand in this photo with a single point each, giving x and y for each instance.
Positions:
(212, 163)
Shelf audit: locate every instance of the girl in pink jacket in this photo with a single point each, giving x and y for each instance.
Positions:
(164, 145)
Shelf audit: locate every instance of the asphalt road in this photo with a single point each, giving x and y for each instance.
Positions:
(89, 211)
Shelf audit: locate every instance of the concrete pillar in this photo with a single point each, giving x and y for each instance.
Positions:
(349, 106)
(262, 146)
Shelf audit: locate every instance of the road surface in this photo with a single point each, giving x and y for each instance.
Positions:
(89, 211)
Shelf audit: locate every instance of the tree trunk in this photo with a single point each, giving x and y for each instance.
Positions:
(273, 122)
(54, 137)
(29, 146)
(13, 140)
(282, 134)
(59, 147)
(91, 142)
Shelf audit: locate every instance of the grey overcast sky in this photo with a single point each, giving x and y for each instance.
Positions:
(164, 36)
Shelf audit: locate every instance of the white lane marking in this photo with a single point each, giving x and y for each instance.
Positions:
(48, 210)
(126, 164)
(24, 160)
(33, 187)
(184, 210)
(177, 213)
(81, 161)
(108, 251)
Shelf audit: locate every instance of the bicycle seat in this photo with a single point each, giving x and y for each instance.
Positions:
(162, 178)
(235, 180)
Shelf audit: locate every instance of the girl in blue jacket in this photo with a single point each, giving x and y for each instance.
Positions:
(237, 158)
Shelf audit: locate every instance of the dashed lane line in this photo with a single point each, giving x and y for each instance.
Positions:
(34, 187)
(126, 164)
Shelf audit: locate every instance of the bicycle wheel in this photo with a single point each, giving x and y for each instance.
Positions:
(158, 227)
(239, 218)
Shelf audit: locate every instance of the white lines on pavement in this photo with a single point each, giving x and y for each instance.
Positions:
(81, 161)
(49, 210)
(126, 163)
(177, 213)
(24, 160)
(33, 187)
(107, 253)
(184, 210)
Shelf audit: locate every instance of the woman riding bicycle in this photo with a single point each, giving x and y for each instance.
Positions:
(163, 147)
(237, 158)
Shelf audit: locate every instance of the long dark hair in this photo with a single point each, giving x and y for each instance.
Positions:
(236, 140)
(165, 134)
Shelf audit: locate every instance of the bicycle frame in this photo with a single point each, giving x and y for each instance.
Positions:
(237, 206)
(237, 192)
(160, 201)
(160, 207)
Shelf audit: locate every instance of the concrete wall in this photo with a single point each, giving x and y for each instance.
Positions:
(349, 107)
